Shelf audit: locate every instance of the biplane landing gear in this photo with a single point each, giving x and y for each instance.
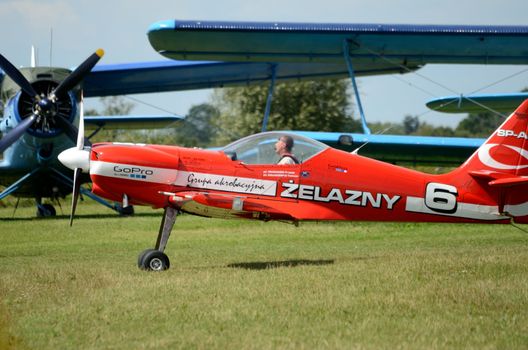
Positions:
(45, 210)
(155, 259)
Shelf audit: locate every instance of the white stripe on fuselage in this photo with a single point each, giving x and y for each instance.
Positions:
(469, 210)
(227, 183)
(184, 178)
(133, 172)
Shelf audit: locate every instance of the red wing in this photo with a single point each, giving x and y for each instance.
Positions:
(223, 205)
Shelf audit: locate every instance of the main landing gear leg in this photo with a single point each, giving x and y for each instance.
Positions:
(155, 259)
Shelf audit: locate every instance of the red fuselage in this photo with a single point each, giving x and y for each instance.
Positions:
(332, 185)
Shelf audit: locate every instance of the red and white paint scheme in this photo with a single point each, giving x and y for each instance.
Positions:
(243, 181)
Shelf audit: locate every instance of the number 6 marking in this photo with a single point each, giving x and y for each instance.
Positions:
(441, 198)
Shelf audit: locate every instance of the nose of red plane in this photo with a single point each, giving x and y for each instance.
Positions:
(76, 158)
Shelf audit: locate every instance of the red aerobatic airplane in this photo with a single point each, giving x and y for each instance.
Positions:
(243, 181)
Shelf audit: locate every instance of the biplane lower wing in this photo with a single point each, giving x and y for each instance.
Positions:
(163, 76)
(401, 149)
(131, 121)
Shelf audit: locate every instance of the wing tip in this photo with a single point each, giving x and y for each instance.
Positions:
(162, 25)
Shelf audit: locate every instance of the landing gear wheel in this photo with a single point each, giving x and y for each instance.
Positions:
(126, 211)
(154, 260)
(45, 210)
(141, 257)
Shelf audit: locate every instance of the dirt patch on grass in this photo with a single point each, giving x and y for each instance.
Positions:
(7, 340)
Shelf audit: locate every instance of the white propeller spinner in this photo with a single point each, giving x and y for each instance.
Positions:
(78, 156)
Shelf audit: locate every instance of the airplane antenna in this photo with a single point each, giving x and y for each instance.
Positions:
(51, 48)
(33, 57)
(366, 143)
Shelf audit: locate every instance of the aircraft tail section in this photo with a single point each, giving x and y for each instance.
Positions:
(506, 150)
(499, 170)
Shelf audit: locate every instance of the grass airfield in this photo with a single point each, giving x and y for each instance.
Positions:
(244, 284)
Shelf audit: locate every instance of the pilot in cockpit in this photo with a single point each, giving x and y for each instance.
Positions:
(283, 148)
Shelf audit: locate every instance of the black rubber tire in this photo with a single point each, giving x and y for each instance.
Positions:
(155, 261)
(46, 210)
(141, 256)
(126, 211)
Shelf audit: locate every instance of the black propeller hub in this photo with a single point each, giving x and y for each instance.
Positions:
(44, 106)
(47, 111)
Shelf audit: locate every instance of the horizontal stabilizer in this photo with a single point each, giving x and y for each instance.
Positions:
(503, 103)
(499, 179)
(510, 181)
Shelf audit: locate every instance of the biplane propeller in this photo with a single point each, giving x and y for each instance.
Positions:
(47, 104)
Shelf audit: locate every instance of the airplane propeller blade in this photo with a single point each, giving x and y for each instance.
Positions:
(80, 132)
(18, 78)
(78, 74)
(77, 171)
(70, 129)
(15, 134)
(75, 193)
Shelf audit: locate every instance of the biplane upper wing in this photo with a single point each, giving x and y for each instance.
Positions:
(367, 44)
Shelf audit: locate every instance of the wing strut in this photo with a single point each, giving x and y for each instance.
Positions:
(18, 183)
(346, 53)
(67, 181)
(270, 97)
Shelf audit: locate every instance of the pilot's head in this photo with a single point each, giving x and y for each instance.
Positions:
(285, 143)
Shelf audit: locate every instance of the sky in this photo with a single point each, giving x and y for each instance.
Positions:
(79, 27)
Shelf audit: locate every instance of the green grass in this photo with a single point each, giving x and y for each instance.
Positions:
(243, 284)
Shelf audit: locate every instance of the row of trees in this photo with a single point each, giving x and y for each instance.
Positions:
(316, 106)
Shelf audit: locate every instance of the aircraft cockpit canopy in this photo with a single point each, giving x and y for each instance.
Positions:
(260, 148)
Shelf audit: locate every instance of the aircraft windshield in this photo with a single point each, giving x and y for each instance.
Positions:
(260, 148)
